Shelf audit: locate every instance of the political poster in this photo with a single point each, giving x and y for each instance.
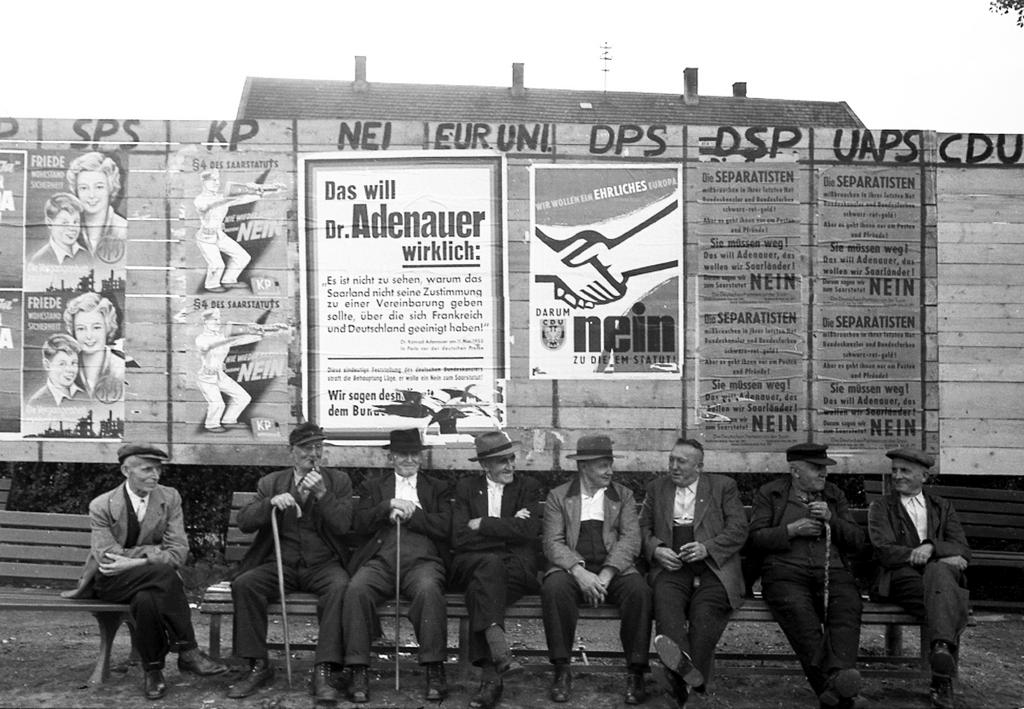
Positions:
(606, 259)
(404, 294)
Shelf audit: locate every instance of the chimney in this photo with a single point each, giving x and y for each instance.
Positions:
(360, 84)
(518, 89)
(690, 86)
(739, 89)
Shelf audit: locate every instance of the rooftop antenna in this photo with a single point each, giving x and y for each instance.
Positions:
(606, 58)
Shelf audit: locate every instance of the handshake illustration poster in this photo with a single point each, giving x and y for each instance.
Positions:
(606, 260)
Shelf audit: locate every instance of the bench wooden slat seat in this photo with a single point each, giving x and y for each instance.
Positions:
(986, 514)
(216, 603)
(43, 548)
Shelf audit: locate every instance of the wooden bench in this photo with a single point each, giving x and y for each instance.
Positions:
(986, 514)
(49, 549)
(217, 603)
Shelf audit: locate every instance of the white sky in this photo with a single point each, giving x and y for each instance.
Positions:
(946, 65)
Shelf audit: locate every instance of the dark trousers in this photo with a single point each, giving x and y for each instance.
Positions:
(560, 599)
(933, 593)
(694, 617)
(796, 599)
(492, 582)
(163, 621)
(253, 591)
(422, 585)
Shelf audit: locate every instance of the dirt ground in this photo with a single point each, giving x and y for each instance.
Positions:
(45, 659)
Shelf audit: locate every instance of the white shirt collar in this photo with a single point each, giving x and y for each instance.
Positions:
(62, 253)
(136, 500)
(59, 396)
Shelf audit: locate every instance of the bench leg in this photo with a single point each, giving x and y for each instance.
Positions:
(108, 624)
(215, 635)
(464, 665)
(894, 640)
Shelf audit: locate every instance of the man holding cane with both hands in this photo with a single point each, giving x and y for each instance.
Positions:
(314, 508)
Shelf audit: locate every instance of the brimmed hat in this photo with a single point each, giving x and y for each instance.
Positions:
(494, 444)
(592, 448)
(809, 452)
(405, 440)
(142, 450)
(306, 433)
(913, 455)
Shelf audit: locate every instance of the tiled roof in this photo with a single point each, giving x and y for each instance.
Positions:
(303, 98)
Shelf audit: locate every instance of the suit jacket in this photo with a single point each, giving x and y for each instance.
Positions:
(894, 536)
(719, 522)
(432, 519)
(520, 537)
(621, 530)
(161, 539)
(768, 535)
(332, 515)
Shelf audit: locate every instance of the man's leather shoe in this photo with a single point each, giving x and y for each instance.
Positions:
(636, 692)
(197, 662)
(487, 696)
(359, 685)
(508, 666)
(154, 684)
(677, 661)
(671, 683)
(942, 693)
(322, 684)
(841, 685)
(561, 687)
(942, 660)
(260, 673)
(437, 684)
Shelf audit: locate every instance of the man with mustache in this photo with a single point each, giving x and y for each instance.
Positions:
(314, 508)
(802, 527)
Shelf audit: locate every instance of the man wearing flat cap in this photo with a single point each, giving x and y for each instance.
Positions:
(418, 549)
(922, 554)
(802, 528)
(693, 527)
(314, 512)
(591, 541)
(138, 545)
(496, 538)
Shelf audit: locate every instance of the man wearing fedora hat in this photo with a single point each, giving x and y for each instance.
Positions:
(496, 538)
(802, 528)
(693, 527)
(138, 544)
(421, 505)
(591, 540)
(314, 508)
(922, 553)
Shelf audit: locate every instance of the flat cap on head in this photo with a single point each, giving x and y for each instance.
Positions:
(494, 444)
(306, 433)
(913, 455)
(142, 450)
(809, 452)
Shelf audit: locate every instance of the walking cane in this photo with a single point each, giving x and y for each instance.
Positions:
(280, 588)
(398, 586)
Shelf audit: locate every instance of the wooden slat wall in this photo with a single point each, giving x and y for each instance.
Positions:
(973, 300)
(981, 315)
